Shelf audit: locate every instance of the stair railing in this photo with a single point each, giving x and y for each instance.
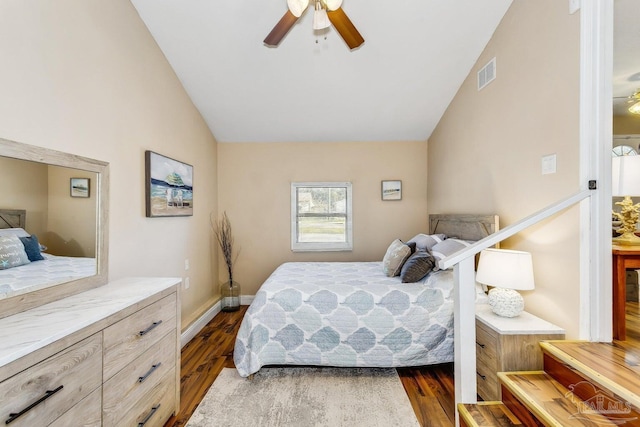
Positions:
(464, 296)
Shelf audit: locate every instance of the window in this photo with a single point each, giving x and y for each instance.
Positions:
(321, 216)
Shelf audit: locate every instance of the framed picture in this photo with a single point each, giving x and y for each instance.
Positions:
(392, 190)
(79, 187)
(168, 187)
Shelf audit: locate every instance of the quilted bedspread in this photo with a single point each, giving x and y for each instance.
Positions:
(346, 314)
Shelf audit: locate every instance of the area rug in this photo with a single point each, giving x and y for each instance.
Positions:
(304, 397)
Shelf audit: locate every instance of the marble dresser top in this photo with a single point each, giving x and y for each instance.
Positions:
(525, 323)
(31, 330)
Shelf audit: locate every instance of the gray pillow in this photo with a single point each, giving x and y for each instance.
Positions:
(448, 247)
(417, 266)
(397, 253)
(424, 242)
(12, 252)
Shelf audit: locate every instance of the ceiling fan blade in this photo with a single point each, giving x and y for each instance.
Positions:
(281, 29)
(345, 27)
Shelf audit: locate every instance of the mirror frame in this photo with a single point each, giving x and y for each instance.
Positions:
(28, 300)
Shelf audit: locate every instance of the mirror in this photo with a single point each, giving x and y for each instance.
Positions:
(61, 199)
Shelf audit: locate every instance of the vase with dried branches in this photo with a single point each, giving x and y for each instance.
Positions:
(230, 290)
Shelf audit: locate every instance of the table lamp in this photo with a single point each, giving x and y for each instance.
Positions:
(626, 183)
(508, 271)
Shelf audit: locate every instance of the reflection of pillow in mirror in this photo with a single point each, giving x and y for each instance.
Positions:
(19, 232)
(32, 247)
(12, 252)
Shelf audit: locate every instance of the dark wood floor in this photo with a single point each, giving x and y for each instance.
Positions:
(430, 389)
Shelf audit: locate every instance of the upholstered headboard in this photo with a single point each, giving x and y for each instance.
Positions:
(13, 218)
(463, 226)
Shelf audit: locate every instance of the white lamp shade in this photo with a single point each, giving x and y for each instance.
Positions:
(625, 176)
(333, 4)
(297, 7)
(320, 18)
(506, 269)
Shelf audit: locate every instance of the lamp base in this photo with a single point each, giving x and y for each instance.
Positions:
(627, 239)
(506, 302)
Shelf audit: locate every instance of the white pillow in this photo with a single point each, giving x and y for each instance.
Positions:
(18, 232)
(397, 253)
(448, 247)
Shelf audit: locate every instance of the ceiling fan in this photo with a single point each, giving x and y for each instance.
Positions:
(326, 12)
(633, 101)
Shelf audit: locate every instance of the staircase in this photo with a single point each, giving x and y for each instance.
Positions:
(582, 384)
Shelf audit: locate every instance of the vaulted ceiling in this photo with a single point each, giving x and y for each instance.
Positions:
(312, 88)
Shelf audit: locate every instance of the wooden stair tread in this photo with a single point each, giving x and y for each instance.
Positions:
(487, 414)
(549, 401)
(614, 366)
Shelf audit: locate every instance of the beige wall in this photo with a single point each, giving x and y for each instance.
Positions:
(485, 154)
(626, 125)
(255, 178)
(86, 77)
(25, 187)
(71, 221)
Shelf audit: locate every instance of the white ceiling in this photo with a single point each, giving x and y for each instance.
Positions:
(626, 53)
(395, 87)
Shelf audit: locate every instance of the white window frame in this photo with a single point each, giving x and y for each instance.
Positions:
(320, 246)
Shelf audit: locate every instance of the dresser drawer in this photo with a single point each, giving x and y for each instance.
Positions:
(86, 413)
(155, 407)
(130, 337)
(125, 389)
(57, 383)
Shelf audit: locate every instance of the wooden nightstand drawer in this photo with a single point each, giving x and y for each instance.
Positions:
(486, 346)
(508, 344)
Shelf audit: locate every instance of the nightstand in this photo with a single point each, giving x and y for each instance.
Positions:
(506, 344)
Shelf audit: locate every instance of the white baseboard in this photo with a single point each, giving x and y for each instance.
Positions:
(206, 317)
(200, 323)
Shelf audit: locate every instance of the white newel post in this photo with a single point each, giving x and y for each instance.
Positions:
(464, 332)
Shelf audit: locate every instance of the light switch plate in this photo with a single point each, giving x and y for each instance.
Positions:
(548, 164)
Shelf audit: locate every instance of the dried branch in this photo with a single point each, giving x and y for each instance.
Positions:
(224, 235)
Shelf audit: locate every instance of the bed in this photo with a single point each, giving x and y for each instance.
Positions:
(33, 269)
(360, 314)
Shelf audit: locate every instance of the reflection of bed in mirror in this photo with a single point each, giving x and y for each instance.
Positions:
(37, 268)
(68, 226)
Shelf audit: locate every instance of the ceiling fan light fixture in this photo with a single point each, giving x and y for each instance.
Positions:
(635, 108)
(297, 7)
(320, 17)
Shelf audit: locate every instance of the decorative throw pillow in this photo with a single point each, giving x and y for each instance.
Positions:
(12, 252)
(448, 247)
(32, 248)
(396, 255)
(417, 266)
(424, 242)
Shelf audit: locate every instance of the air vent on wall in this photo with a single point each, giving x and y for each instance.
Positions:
(487, 74)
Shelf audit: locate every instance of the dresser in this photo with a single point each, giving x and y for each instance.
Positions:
(508, 344)
(109, 356)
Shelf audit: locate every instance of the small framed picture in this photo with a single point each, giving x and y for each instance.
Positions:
(79, 187)
(392, 190)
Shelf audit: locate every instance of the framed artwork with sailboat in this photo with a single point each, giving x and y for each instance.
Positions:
(168, 186)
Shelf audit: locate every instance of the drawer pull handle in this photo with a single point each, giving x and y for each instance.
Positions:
(484, 377)
(481, 345)
(148, 417)
(152, 326)
(149, 372)
(14, 415)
